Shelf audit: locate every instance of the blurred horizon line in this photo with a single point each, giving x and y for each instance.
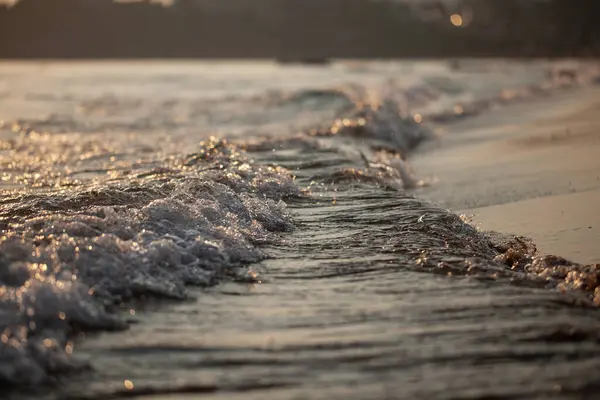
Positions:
(299, 30)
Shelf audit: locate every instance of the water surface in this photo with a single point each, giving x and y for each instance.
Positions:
(251, 230)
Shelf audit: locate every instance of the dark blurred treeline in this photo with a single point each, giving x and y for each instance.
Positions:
(299, 29)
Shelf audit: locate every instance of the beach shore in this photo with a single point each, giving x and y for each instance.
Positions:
(531, 169)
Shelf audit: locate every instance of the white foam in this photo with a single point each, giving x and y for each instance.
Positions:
(69, 257)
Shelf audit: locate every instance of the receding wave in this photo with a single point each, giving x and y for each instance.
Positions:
(308, 209)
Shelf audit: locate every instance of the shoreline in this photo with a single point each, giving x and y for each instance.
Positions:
(529, 169)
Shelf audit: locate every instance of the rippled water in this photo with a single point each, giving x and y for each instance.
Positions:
(248, 230)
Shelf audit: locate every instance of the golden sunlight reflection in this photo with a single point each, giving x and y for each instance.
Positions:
(456, 20)
(254, 276)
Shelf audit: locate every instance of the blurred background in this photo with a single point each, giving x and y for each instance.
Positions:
(298, 30)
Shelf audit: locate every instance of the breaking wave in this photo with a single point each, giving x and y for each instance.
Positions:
(68, 260)
(98, 219)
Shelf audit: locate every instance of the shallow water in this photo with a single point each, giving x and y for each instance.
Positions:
(145, 255)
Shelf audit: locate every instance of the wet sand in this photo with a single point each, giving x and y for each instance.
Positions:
(531, 169)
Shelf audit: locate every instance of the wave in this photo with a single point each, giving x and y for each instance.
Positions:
(75, 258)
(68, 259)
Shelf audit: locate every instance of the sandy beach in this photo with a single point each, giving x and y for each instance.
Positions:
(530, 169)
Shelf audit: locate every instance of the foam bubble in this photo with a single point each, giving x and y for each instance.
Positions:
(66, 258)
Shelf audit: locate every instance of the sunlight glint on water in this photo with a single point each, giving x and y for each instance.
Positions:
(248, 230)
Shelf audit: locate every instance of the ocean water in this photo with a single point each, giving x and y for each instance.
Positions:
(251, 230)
